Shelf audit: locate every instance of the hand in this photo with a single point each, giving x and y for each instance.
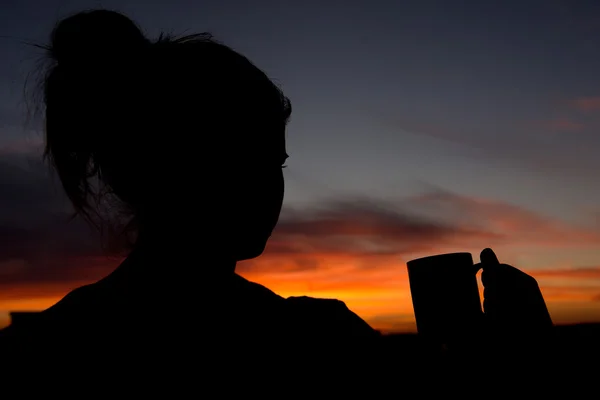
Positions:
(513, 304)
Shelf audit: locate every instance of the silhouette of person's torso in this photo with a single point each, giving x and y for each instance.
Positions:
(122, 312)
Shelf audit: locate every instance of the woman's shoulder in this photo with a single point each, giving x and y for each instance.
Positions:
(304, 316)
(48, 324)
(326, 317)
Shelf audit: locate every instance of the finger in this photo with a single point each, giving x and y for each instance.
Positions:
(488, 257)
(489, 264)
(495, 274)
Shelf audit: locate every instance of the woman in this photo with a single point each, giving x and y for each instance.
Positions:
(188, 137)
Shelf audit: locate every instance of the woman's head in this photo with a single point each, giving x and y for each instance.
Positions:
(185, 132)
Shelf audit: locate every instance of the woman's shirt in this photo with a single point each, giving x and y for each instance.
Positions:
(112, 313)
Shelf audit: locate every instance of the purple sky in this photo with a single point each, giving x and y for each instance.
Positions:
(481, 99)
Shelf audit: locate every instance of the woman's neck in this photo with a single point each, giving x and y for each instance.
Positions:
(183, 256)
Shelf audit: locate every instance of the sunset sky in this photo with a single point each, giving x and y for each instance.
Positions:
(419, 127)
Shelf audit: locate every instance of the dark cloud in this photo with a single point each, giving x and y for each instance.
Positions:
(587, 104)
(60, 237)
(11, 117)
(364, 226)
(36, 228)
(549, 146)
(40, 244)
(27, 190)
(35, 218)
(432, 220)
(510, 222)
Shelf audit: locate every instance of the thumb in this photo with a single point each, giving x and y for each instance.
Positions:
(487, 258)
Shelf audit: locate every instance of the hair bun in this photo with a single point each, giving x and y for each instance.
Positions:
(95, 36)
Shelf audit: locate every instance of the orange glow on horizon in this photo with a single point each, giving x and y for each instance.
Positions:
(375, 288)
(356, 251)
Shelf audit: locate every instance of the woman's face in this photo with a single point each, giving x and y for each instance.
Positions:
(226, 194)
(258, 199)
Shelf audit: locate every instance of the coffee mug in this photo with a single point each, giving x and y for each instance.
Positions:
(445, 297)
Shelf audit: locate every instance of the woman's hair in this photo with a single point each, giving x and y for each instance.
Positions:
(123, 113)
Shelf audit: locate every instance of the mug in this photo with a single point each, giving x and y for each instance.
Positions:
(445, 298)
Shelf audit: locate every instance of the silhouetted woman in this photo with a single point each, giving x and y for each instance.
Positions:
(188, 138)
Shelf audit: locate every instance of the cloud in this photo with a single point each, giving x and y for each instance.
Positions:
(590, 273)
(510, 223)
(562, 125)
(354, 248)
(38, 238)
(36, 230)
(33, 147)
(28, 192)
(34, 214)
(562, 286)
(53, 277)
(438, 216)
(537, 143)
(587, 104)
(12, 266)
(365, 226)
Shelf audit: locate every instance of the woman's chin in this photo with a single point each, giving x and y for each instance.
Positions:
(250, 252)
